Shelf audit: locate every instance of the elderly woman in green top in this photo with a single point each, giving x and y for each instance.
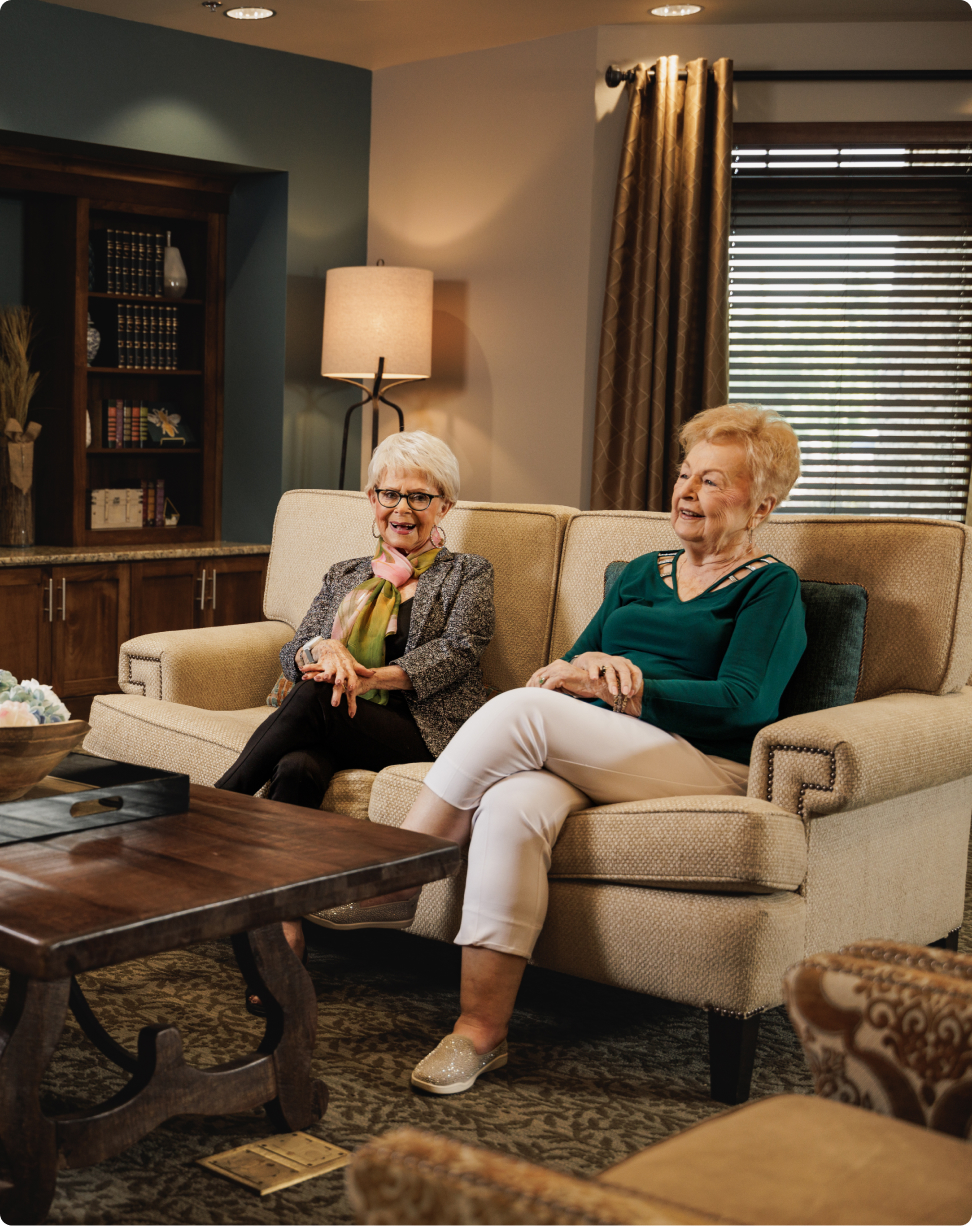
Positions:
(683, 663)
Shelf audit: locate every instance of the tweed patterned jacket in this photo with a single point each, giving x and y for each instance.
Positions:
(451, 624)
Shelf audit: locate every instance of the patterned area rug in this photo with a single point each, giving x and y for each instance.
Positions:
(595, 1073)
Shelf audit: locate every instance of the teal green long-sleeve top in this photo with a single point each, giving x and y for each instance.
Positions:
(715, 667)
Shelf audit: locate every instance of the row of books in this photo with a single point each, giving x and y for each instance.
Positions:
(148, 337)
(134, 261)
(142, 423)
(129, 508)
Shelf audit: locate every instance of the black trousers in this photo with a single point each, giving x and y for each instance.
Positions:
(306, 741)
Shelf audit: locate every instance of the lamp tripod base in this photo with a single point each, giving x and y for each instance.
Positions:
(374, 399)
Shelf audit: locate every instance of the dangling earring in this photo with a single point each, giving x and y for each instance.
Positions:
(376, 536)
(437, 536)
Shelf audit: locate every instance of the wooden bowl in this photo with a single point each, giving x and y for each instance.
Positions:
(28, 754)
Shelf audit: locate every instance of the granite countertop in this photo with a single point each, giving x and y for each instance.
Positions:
(64, 555)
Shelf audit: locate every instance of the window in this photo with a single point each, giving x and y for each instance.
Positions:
(851, 313)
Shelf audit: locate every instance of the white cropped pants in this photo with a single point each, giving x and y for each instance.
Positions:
(527, 760)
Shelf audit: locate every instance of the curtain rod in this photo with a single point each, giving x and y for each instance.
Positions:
(615, 77)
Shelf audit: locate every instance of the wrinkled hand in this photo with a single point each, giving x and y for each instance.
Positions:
(335, 664)
(559, 675)
(613, 675)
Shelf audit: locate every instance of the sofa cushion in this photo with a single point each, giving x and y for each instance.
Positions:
(829, 672)
(170, 735)
(201, 744)
(751, 1165)
(722, 843)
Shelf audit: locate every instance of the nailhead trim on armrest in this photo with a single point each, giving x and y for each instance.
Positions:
(804, 787)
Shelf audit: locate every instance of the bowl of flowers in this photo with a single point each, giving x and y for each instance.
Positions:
(36, 731)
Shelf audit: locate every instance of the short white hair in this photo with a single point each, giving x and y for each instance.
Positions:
(422, 452)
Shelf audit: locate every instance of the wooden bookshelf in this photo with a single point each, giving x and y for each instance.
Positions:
(69, 204)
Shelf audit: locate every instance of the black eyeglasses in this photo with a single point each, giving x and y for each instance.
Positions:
(418, 501)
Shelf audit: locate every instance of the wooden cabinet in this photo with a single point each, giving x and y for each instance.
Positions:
(91, 618)
(25, 611)
(232, 591)
(164, 595)
(64, 624)
(187, 592)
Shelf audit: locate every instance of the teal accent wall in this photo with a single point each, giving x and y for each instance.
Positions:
(74, 75)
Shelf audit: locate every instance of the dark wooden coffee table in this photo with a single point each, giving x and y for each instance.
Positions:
(230, 866)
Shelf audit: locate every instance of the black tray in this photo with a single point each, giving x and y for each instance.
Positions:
(91, 792)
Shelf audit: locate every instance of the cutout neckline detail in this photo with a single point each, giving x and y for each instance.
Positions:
(668, 572)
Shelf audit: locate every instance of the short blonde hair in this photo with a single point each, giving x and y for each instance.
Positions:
(771, 445)
(422, 452)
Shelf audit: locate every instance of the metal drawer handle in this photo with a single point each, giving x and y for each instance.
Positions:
(64, 600)
(202, 593)
(50, 600)
(105, 804)
(212, 596)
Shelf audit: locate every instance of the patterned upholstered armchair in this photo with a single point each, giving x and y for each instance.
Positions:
(884, 1026)
(889, 1027)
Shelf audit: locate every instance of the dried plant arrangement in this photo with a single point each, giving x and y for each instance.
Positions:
(17, 382)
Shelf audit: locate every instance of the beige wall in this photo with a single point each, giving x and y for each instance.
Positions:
(481, 170)
(496, 170)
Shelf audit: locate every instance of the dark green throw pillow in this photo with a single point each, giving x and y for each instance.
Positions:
(830, 669)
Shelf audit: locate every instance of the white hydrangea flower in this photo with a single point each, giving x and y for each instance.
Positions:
(41, 700)
(16, 715)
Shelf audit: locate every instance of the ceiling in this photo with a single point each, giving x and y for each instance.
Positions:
(377, 33)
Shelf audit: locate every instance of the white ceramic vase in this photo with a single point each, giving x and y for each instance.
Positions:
(174, 279)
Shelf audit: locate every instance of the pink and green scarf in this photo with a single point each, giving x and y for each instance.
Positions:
(369, 612)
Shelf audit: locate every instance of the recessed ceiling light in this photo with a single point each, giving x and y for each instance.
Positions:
(250, 13)
(679, 10)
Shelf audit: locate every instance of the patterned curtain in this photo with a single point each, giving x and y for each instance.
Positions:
(664, 335)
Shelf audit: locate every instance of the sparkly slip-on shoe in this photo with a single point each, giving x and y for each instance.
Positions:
(455, 1064)
(354, 915)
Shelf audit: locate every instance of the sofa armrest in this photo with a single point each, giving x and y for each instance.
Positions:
(892, 1033)
(217, 668)
(867, 752)
(408, 1177)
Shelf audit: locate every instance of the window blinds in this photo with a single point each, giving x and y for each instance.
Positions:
(851, 313)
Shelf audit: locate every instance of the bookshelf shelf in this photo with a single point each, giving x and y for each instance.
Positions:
(154, 452)
(139, 370)
(146, 298)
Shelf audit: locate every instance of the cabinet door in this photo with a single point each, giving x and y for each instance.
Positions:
(234, 590)
(25, 627)
(91, 620)
(165, 595)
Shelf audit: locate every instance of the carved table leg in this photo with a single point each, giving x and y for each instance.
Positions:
(30, 1029)
(272, 970)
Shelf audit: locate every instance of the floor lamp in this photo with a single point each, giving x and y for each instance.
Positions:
(377, 326)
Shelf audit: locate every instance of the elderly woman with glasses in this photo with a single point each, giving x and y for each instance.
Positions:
(386, 660)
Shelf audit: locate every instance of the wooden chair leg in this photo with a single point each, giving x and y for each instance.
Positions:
(732, 1053)
(947, 942)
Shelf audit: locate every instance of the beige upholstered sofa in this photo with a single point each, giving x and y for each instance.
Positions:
(856, 824)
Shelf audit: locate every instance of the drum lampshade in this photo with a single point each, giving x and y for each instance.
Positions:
(373, 312)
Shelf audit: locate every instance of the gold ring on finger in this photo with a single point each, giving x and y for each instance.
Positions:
(542, 680)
